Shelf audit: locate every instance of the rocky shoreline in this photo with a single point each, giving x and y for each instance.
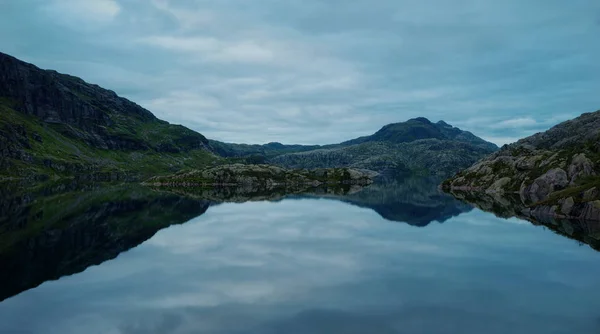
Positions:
(263, 177)
(554, 173)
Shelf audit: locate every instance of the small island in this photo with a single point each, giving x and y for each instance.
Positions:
(263, 177)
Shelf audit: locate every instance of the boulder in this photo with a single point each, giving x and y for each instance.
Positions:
(567, 206)
(555, 179)
(580, 166)
(498, 186)
(591, 194)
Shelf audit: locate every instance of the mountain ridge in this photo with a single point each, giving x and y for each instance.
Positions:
(417, 145)
(58, 125)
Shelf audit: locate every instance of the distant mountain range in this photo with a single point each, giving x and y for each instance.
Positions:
(415, 145)
(57, 125)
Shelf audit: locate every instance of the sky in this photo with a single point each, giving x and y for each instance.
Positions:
(324, 71)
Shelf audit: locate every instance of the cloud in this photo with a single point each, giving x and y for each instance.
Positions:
(214, 50)
(309, 71)
(516, 123)
(99, 11)
(194, 44)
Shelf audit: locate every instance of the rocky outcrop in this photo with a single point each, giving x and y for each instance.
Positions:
(553, 180)
(544, 168)
(262, 177)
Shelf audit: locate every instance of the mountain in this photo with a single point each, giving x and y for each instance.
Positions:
(415, 145)
(57, 124)
(421, 128)
(258, 152)
(554, 172)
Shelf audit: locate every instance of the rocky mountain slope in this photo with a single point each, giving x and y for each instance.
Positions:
(554, 172)
(416, 145)
(52, 123)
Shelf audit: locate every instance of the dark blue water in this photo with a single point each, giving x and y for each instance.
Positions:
(325, 266)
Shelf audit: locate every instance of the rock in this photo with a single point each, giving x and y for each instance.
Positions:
(527, 163)
(590, 211)
(498, 186)
(562, 157)
(567, 206)
(554, 179)
(580, 166)
(264, 177)
(591, 194)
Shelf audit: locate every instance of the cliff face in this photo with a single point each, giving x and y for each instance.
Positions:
(415, 145)
(555, 172)
(61, 123)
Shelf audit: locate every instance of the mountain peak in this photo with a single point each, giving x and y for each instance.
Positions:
(421, 128)
(420, 119)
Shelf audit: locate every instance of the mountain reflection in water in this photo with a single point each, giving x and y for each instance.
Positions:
(321, 260)
(63, 229)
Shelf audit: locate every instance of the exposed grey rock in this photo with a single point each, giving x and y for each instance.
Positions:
(554, 179)
(565, 156)
(580, 166)
(527, 163)
(499, 185)
(567, 206)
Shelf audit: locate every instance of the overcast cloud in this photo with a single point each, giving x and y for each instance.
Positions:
(323, 71)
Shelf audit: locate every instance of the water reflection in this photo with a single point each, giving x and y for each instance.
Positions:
(62, 229)
(413, 200)
(284, 263)
(509, 206)
(321, 266)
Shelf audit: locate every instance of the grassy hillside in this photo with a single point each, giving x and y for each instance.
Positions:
(32, 147)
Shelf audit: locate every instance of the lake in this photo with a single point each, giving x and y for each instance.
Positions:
(398, 257)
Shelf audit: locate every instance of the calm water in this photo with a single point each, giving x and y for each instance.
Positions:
(297, 265)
